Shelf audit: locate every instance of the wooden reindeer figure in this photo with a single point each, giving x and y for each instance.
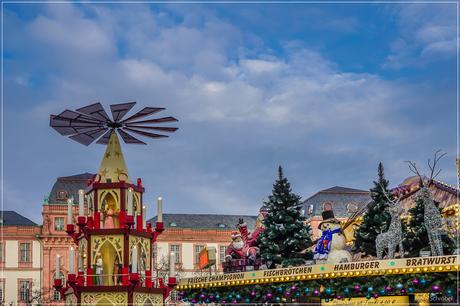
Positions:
(431, 215)
(393, 237)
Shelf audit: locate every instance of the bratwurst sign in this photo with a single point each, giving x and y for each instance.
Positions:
(318, 271)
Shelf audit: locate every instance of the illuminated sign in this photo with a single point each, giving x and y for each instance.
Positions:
(322, 271)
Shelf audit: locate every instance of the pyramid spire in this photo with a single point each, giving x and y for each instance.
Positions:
(113, 167)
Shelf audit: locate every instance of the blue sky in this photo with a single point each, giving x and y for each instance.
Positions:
(326, 90)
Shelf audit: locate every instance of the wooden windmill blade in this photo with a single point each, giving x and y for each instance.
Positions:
(91, 123)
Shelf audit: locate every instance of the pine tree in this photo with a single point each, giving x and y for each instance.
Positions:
(415, 236)
(286, 232)
(376, 219)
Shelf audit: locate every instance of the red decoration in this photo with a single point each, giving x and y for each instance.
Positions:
(125, 276)
(134, 278)
(71, 278)
(148, 279)
(81, 221)
(97, 220)
(122, 218)
(139, 223)
(80, 279)
(89, 277)
(139, 182)
(70, 229)
(90, 222)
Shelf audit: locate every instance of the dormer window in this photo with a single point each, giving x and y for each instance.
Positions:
(61, 195)
(173, 224)
(221, 225)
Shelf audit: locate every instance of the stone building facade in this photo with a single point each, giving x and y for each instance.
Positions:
(54, 239)
(20, 260)
(187, 234)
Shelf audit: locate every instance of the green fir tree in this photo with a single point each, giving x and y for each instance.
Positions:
(286, 233)
(376, 219)
(415, 236)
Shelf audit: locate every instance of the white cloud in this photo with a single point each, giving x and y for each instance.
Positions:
(241, 112)
(428, 33)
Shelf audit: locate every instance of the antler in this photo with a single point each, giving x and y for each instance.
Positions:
(435, 161)
(413, 168)
(388, 198)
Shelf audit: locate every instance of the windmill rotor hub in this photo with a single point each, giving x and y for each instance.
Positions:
(114, 125)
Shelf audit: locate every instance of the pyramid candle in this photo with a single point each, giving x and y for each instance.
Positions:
(130, 201)
(69, 211)
(134, 260)
(160, 209)
(172, 265)
(58, 264)
(72, 261)
(144, 212)
(81, 207)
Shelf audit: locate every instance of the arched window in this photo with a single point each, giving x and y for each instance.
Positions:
(328, 205)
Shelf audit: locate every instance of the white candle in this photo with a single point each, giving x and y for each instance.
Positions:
(72, 261)
(81, 207)
(69, 211)
(160, 209)
(58, 273)
(144, 212)
(172, 265)
(134, 260)
(130, 201)
(80, 262)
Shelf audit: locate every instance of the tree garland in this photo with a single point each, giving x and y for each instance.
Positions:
(437, 284)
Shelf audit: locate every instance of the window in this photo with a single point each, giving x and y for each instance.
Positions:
(59, 224)
(24, 291)
(24, 250)
(173, 224)
(1, 252)
(57, 294)
(222, 250)
(221, 225)
(61, 195)
(198, 249)
(177, 252)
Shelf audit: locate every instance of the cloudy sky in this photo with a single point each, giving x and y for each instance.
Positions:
(327, 91)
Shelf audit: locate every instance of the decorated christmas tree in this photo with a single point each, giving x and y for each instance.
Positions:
(414, 231)
(286, 233)
(376, 219)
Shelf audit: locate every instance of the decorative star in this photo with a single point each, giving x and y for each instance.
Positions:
(119, 171)
(104, 172)
(117, 154)
(107, 155)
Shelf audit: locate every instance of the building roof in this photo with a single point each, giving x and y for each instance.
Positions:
(340, 197)
(445, 194)
(70, 186)
(205, 221)
(339, 189)
(12, 218)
